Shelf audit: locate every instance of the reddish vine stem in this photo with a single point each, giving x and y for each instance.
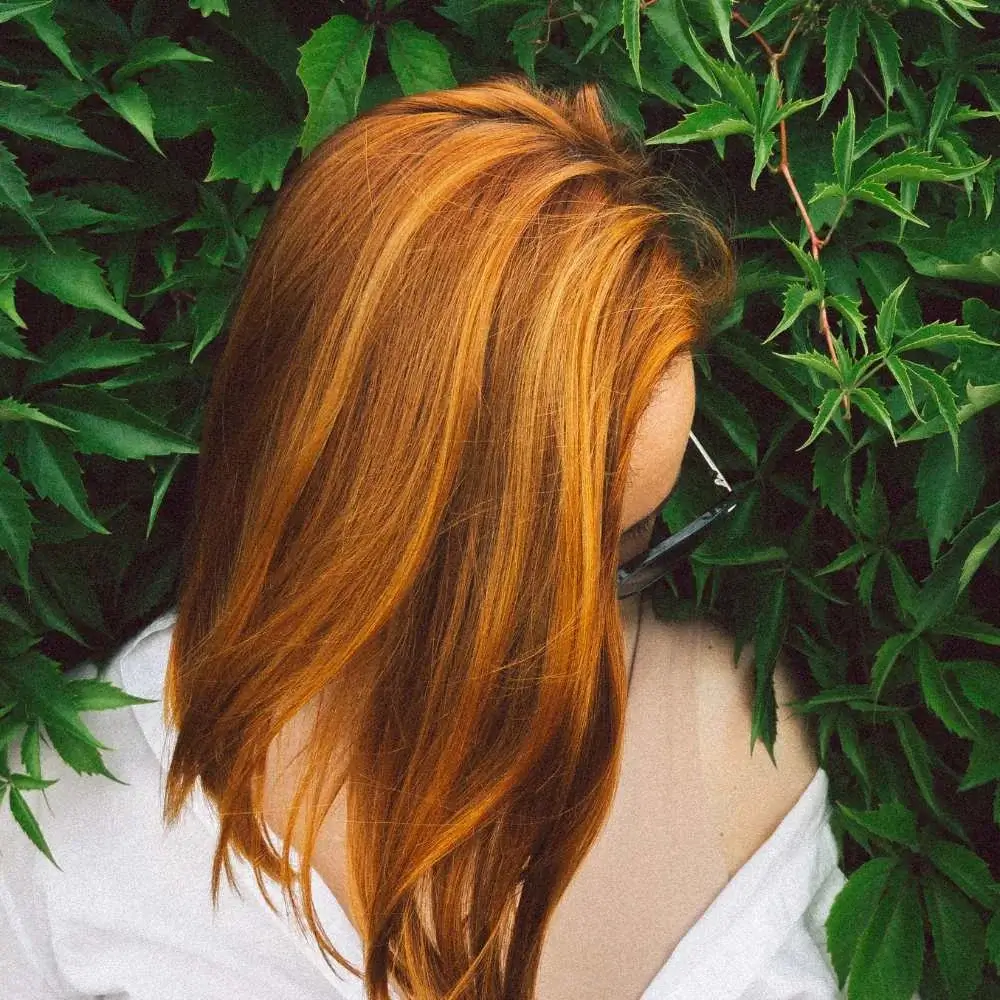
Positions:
(815, 242)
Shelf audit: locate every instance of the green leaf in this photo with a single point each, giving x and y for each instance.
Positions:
(72, 276)
(811, 267)
(763, 143)
(11, 8)
(878, 194)
(670, 21)
(797, 298)
(706, 122)
(722, 15)
(106, 425)
(889, 959)
(934, 334)
(14, 192)
(980, 683)
(892, 821)
(254, 139)
(31, 751)
(913, 165)
(770, 626)
(850, 308)
(210, 7)
(26, 821)
(853, 911)
(966, 869)
(16, 520)
(740, 86)
(984, 761)
(827, 409)
(943, 396)
(948, 704)
(32, 116)
(816, 362)
(885, 44)
(944, 100)
(46, 461)
(770, 10)
(131, 102)
(959, 937)
(843, 146)
(870, 403)
(75, 350)
(419, 61)
(153, 51)
(978, 554)
(885, 660)
(633, 36)
(888, 317)
(917, 754)
(842, 29)
(93, 695)
(940, 591)
(332, 69)
(81, 756)
(945, 494)
(52, 36)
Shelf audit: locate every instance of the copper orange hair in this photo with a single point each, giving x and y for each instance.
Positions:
(408, 510)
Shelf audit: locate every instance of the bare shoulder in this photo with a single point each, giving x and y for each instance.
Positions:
(752, 795)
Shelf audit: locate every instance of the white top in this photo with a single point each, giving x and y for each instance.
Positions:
(129, 915)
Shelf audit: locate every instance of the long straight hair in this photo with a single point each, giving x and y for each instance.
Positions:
(408, 510)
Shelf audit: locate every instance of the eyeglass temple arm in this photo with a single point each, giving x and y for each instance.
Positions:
(720, 479)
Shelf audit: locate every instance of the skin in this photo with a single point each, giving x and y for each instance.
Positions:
(655, 464)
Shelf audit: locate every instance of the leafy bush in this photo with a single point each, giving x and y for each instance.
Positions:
(852, 388)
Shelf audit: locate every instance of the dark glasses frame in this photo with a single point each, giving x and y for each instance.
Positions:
(648, 567)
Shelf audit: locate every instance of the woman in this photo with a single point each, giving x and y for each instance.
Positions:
(455, 391)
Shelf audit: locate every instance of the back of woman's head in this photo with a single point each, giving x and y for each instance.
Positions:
(408, 512)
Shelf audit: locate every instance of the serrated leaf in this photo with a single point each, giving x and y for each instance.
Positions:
(885, 45)
(913, 165)
(842, 29)
(12, 8)
(797, 298)
(870, 403)
(152, 51)
(14, 192)
(46, 461)
(31, 751)
(16, 520)
(706, 122)
(106, 425)
(75, 350)
(669, 20)
(32, 116)
(853, 911)
(92, 695)
(843, 146)
(332, 69)
(827, 409)
(888, 962)
(52, 36)
(26, 821)
(944, 100)
(72, 276)
(81, 756)
(941, 697)
(816, 362)
(850, 309)
(878, 194)
(885, 660)
(945, 494)
(959, 937)
(770, 10)
(722, 13)
(888, 318)
(419, 61)
(934, 334)
(943, 396)
(131, 102)
(966, 869)
(633, 36)
(254, 139)
(740, 86)
(892, 821)
(724, 409)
